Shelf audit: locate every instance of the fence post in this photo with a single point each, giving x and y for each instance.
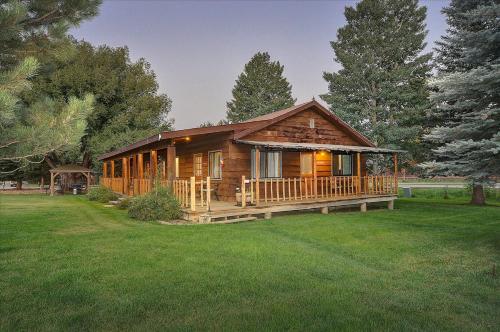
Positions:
(208, 193)
(243, 192)
(193, 193)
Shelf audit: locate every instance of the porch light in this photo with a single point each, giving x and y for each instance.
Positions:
(188, 139)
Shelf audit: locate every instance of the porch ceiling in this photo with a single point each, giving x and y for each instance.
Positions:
(316, 146)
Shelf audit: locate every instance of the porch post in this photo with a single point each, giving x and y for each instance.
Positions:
(154, 162)
(257, 176)
(112, 169)
(140, 166)
(243, 192)
(315, 176)
(395, 158)
(358, 161)
(51, 184)
(125, 174)
(105, 169)
(170, 165)
(88, 181)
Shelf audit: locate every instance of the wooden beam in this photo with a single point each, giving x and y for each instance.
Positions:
(153, 156)
(315, 177)
(243, 192)
(193, 193)
(88, 182)
(105, 169)
(51, 184)
(171, 154)
(125, 175)
(112, 169)
(257, 176)
(358, 162)
(395, 158)
(140, 166)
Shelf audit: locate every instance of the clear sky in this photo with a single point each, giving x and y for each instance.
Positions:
(198, 48)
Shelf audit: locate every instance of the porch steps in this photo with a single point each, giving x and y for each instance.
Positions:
(233, 220)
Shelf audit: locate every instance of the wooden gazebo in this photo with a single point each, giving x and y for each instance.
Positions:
(68, 169)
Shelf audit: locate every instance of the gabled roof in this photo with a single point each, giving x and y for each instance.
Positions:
(245, 128)
(277, 116)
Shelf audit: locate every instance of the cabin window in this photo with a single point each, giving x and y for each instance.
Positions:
(306, 163)
(270, 164)
(342, 164)
(215, 164)
(198, 164)
(177, 174)
(311, 123)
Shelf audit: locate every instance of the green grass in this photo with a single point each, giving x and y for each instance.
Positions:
(70, 264)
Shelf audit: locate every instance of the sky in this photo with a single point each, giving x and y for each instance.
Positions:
(198, 48)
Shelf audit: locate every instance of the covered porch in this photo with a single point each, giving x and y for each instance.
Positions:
(289, 175)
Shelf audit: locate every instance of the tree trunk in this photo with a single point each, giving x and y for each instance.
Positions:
(477, 194)
(19, 184)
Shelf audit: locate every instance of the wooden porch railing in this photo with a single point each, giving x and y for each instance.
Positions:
(309, 188)
(189, 192)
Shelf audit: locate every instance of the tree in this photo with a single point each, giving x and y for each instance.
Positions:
(213, 124)
(381, 88)
(260, 89)
(467, 95)
(127, 104)
(30, 131)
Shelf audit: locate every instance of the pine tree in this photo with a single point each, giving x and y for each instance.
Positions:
(381, 88)
(30, 29)
(467, 95)
(260, 89)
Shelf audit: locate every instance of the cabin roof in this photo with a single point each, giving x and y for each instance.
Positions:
(317, 147)
(244, 128)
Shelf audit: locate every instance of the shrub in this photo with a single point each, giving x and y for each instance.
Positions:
(159, 204)
(123, 204)
(101, 194)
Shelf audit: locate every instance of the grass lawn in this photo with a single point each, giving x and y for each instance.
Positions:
(70, 264)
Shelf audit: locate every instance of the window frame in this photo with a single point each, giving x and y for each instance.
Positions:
(220, 165)
(341, 162)
(200, 169)
(302, 174)
(253, 167)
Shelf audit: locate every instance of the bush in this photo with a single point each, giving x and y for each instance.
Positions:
(159, 204)
(101, 194)
(124, 204)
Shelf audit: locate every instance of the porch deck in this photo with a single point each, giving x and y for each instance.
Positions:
(229, 212)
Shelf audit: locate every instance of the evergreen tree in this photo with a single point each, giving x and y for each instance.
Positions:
(381, 88)
(260, 89)
(30, 29)
(467, 95)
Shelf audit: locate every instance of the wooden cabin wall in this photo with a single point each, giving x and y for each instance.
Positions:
(296, 129)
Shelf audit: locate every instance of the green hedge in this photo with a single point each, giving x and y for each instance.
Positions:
(159, 204)
(101, 194)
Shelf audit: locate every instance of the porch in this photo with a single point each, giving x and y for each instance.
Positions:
(265, 196)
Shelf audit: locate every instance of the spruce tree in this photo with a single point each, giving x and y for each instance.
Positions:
(259, 90)
(467, 95)
(381, 88)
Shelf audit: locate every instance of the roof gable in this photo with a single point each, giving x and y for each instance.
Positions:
(279, 116)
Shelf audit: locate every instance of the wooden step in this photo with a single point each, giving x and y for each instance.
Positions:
(234, 220)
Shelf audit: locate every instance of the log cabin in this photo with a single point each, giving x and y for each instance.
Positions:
(299, 158)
